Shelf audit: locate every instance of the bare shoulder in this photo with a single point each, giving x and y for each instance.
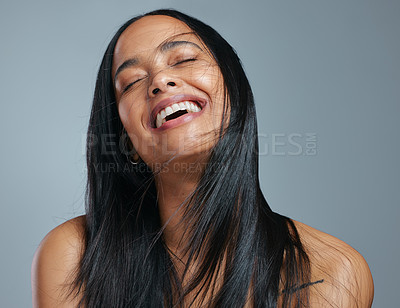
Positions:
(55, 261)
(347, 279)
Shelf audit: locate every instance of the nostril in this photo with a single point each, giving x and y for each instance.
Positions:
(170, 83)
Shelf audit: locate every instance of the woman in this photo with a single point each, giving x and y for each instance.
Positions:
(175, 216)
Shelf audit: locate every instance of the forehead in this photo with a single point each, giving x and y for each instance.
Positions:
(146, 34)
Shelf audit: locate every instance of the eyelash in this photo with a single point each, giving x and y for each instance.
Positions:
(177, 63)
(131, 84)
(184, 61)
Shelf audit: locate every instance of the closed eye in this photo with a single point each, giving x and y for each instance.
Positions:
(131, 84)
(185, 61)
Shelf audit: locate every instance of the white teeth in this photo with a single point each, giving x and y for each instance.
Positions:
(163, 114)
(159, 120)
(169, 111)
(175, 107)
(186, 105)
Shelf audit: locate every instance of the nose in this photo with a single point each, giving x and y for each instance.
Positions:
(162, 82)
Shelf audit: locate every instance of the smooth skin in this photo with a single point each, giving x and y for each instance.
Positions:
(193, 71)
(344, 270)
(347, 281)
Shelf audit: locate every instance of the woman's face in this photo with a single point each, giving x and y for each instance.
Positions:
(169, 90)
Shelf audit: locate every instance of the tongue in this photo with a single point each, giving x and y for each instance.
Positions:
(175, 115)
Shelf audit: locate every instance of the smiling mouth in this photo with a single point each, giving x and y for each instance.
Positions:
(175, 111)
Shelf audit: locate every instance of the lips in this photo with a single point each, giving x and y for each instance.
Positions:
(174, 107)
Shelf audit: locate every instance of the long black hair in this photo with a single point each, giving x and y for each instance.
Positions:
(234, 234)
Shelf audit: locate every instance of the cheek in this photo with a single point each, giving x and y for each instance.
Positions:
(212, 83)
(131, 114)
(203, 75)
(132, 120)
(124, 113)
(209, 77)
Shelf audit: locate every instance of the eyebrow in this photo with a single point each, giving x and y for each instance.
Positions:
(128, 63)
(173, 44)
(164, 47)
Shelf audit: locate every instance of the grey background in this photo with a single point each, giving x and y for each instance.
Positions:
(330, 68)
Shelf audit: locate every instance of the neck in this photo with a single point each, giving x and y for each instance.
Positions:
(175, 185)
